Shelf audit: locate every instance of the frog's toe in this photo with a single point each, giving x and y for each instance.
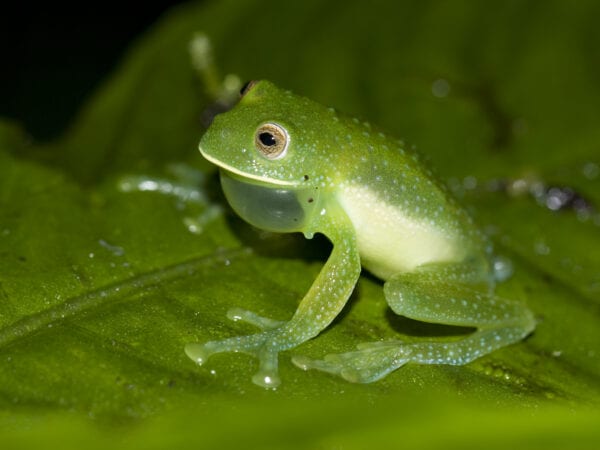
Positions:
(341, 365)
(268, 373)
(201, 352)
(243, 315)
(370, 373)
(368, 364)
(323, 365)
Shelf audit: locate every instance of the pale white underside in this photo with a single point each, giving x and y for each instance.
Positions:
(389, 241)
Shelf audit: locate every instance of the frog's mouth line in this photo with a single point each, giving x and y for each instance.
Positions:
(245, 175)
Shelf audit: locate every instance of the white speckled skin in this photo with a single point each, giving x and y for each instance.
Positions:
(381, 209)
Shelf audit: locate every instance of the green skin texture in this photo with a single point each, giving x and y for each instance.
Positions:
(382, 210)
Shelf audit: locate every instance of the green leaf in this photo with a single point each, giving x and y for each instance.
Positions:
(117, 248)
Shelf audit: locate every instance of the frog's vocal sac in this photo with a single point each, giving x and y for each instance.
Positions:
(289, 164)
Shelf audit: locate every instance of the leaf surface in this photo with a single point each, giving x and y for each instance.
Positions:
(105, 273)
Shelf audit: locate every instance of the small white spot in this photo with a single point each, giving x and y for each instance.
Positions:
(470, 182)
(591, 170)
(440, 88)
(148, 185)
(541, 248)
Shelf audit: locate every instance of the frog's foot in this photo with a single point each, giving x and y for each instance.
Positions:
(373, 361)
(265, 346)
(370, 362)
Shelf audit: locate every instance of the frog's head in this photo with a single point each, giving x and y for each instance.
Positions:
(270, 154)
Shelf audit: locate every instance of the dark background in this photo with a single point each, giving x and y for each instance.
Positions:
(53, 56)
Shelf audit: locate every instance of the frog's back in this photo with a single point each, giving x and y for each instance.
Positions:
(403, 217)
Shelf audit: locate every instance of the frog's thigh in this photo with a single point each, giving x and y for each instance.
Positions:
(430, 297)
(434, 296)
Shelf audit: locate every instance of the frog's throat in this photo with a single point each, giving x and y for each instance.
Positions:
(262, 179)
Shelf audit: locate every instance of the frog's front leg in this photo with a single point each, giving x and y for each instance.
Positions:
(318, 308)
(440, 293)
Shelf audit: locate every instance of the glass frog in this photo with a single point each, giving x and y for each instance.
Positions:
(289, 164)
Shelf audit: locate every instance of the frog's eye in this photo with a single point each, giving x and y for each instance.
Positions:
(247, 87)
(271, 140)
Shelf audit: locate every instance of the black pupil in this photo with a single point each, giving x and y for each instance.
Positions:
(267, 139)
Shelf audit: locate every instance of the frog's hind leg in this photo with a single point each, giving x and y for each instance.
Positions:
(437, 294)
